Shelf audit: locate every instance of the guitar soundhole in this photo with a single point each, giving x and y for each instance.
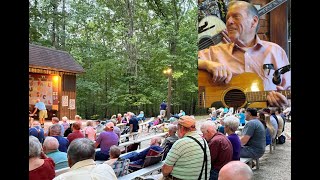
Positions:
(234, 98)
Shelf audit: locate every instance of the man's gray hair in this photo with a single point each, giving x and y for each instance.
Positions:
(35, 147)
(172, 128)
(81, 149)
(208, 126)
(114, 151)
(55, 130)
(51, 143)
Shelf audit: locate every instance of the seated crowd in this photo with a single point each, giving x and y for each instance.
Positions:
(188, 154)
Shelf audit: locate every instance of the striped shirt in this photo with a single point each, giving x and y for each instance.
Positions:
(186, 157)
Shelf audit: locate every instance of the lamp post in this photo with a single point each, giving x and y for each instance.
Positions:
(168, 72)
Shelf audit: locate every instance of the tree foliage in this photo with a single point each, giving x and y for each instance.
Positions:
(124, 46)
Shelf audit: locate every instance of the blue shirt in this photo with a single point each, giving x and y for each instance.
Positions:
(37, 132)
(40, 105)
(221, 129)
(135, 123)
(242, 118)
(268, 137)
(163, 106)
(63, 143)
(59, 158)
(138, 158)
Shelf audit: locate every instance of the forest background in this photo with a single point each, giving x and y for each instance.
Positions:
(124, 46)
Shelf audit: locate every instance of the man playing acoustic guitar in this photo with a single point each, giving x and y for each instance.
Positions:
(246, 53)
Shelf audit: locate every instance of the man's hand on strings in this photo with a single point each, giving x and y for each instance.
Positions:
(277, 99)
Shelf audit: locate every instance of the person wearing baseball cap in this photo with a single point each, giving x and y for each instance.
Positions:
(186, 156)
(106, 139)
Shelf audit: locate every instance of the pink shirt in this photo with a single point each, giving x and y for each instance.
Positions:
(252, 60)
(90, 131)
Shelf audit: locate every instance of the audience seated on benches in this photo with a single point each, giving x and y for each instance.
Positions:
(141, 117)
(50, 148)
(154, 123)
(253, 139)
(151, 158)
(119, 165)
(235, 170)
(81, 155)
(40, 166)
(137, 159)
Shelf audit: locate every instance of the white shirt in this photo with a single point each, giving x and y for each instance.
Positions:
(87, 170)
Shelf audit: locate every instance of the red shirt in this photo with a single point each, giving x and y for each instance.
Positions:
(44, 172)
(74, 135)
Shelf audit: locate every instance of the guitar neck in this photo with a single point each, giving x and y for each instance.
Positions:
(270, 6)
(261, 96)
(214, 40)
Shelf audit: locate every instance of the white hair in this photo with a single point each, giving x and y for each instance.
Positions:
(232, 122)
(208, 126)
(64, 118)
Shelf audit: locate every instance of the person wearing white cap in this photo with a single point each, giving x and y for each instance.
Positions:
(106, 139)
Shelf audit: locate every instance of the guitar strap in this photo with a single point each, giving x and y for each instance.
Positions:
(205, 157)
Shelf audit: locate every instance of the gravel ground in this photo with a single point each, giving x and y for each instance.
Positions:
(275, 166)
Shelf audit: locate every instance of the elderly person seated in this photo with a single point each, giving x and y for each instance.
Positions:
(37, 131)
(219, 145)
(236, 170)
(55, 131)
(171, 136)
(138, 158)
(81, 153)
(106, 139)
(186, 157)
(40, 166)
(50, 148)
(65, 123)
(76, 132)
(119, 165)
(55, 120)
(231, 124)
(141, 116)
(89, 131)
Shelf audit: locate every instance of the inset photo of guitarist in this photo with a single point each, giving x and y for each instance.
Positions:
(246, 69)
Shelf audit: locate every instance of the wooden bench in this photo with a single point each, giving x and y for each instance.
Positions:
(121, 125)
(156, 128)
(125, 145)
(142, 172)
(148, 137)
(249, 161)
(146, 123)
(134, 135)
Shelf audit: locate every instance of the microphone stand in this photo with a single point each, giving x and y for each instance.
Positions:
(278, 72)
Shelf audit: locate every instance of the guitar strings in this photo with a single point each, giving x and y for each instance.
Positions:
(208, 42)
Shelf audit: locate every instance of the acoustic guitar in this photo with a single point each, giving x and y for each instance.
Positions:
(210, 27)
(244, 90)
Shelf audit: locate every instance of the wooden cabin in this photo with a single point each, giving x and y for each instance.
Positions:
(52, 78)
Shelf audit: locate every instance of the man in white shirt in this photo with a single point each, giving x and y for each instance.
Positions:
(81, 153)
